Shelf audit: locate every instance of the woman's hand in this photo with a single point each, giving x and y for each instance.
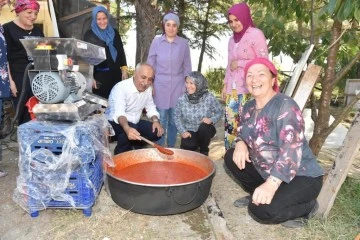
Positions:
(264, 193)
(94, 85)
(241, 155)
(13, 88)
(206, 120)
(233, 65)
(186, 135)
(223, 93)
(124, 74)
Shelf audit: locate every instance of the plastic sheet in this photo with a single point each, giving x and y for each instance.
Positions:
(60, 163)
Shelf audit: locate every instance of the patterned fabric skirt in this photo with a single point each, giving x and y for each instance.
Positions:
(231, 122)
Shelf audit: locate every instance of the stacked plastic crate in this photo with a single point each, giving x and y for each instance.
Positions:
(61, 164)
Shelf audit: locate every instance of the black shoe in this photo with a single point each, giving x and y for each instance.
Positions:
(242, 202)
(294, 223)
(313, 211)
(301, 222)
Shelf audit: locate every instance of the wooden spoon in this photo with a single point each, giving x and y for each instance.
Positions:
(158, 147)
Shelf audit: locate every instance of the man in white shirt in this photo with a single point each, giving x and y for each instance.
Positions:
(127, 100)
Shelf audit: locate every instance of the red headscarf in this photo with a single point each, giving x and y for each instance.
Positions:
(269, 65)
(242, 12)
(22, 5)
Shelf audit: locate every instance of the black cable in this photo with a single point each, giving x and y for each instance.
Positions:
(21, 103)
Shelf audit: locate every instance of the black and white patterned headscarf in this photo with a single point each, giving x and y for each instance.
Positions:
(201, 87)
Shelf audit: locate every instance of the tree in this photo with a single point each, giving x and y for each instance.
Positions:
(288, 26)
(202, 22)
(340, 11)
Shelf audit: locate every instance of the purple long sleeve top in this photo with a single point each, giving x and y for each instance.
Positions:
(171, 62)
(252, 45)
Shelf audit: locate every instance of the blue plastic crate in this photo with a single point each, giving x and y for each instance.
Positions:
(83, 193)
(53, 136)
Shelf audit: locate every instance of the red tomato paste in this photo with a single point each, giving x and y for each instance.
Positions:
(157, 172)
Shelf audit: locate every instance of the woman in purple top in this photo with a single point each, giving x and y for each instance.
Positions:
(272, 159)
(169, 55)
(247, 43)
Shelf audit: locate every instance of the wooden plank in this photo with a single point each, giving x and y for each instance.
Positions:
(298, 70)
(340, 169)
(306, 85)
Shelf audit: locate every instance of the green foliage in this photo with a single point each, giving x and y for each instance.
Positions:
(125, 19)
(215, 77)
(343, 9)
(344, 217)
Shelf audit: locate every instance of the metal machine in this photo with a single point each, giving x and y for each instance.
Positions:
(62, 77)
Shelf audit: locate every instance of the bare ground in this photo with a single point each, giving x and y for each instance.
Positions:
(217, 218)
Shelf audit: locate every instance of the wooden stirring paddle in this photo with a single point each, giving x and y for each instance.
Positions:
(158, 147)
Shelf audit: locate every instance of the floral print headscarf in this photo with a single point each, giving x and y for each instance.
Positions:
(22, 5)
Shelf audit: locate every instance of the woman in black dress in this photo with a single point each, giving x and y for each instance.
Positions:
(114, 68)
(21, 28)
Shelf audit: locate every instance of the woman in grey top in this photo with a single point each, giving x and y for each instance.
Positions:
(272, 159)
(196, 112)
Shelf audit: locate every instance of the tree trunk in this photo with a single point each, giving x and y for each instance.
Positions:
(117, 14)
(327, 83)
(147, 16)
(181, 13)
(204, 36)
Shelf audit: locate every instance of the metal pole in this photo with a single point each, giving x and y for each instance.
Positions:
(53, 18)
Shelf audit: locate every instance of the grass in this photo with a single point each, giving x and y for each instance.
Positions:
(343, 221)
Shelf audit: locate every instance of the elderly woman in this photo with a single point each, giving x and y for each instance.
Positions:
(247, 42)
(169, 55)
(196, 113)
(21, 28)
(114, 68)
(272, 159)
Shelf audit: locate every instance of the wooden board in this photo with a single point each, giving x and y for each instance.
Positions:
(340, 169)
(298, 70)
(306, 85)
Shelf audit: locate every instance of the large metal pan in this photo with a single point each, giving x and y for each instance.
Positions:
(159, 198)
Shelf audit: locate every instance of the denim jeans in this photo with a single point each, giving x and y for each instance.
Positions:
(168, 123)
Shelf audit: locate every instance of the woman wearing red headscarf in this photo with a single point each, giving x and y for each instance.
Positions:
(272, 159)
(21, 28)
(247, 43)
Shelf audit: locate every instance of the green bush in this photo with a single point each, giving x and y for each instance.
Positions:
(215, 77)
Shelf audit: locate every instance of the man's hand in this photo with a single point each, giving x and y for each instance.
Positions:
(157, 126)
(241, 155)
(132, 133)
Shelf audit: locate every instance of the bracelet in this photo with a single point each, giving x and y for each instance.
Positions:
(124, 68)
(274, 180)
(155, 120)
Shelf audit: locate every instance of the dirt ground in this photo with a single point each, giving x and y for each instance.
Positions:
(217, 218)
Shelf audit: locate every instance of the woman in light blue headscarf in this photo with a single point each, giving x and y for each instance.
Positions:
(114, 68)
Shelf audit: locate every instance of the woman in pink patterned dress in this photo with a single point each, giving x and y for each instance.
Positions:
(247, 43)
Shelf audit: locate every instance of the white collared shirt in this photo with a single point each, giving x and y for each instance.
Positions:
(125, 100)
